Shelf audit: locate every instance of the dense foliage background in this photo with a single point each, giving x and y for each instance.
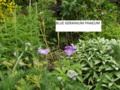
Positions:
(35, 57)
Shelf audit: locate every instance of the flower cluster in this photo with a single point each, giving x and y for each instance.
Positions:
(6, 10)
(72, 74)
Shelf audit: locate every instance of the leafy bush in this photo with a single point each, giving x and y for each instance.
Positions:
(89, 10)
(112, 32)
(93, 10)
(95, 63)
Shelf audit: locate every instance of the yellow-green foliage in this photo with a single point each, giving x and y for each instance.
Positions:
(6, 10)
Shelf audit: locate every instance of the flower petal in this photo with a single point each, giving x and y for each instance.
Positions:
(43, 51)
(70, 50)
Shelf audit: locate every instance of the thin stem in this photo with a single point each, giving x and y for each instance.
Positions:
(58, 37)
(36, 14)
(17, 62)
(30, 19)
(15, 20)
(43, 32)
(43, 28)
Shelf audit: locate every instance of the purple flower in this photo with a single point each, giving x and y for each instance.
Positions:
(44, 51)
(70, 50)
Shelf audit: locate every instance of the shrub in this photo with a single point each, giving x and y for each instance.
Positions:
(89, 10)
(99, 68)
(96, 63)
(93, 10)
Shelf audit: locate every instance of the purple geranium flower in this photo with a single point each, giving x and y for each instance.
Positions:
(70, 50)
(44, 51)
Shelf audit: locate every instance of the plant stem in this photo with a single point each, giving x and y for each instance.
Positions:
(58, 36)
(17, 62)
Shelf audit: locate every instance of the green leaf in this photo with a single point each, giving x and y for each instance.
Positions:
(110, 84)
(117, 74)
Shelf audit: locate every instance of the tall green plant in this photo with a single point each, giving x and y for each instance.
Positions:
(14, 35)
